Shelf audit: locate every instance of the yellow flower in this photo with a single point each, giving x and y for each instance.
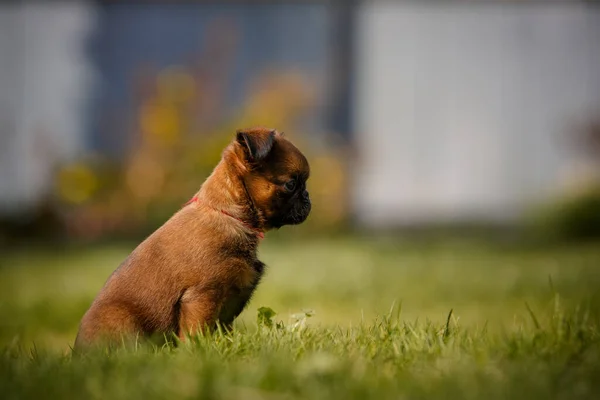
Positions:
(76, 184)
(160, 122)
(176, 85)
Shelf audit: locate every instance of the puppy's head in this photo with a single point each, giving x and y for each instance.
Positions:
(275, 175)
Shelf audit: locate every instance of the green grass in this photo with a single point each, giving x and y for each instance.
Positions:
(391, 319)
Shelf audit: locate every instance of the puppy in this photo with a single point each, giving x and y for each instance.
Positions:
(201, 266)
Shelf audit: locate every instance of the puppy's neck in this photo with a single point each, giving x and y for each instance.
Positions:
(225, 190)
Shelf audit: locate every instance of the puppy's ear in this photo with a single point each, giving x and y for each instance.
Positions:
(257, 143)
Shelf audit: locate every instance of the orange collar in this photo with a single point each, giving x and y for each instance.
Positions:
(258, 232)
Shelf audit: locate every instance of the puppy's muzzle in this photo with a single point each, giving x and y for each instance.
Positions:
(301, 209)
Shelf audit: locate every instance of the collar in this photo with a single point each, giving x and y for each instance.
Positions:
(258, 232)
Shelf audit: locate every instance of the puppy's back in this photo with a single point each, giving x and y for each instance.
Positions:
(142, 294)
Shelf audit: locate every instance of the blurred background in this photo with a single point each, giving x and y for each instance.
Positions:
(414, 116)
(113, 113)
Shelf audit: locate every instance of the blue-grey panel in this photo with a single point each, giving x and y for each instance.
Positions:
(130, 35)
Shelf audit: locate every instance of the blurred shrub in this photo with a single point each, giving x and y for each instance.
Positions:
(572, 218)
(174, 149)
(576, 215)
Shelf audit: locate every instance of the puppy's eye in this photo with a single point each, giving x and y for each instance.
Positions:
(290, 185)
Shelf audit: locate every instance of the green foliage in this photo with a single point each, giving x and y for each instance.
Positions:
(265, 317)
(176, 143)
(573, 218)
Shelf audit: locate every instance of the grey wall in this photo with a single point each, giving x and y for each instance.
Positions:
(44, 80)
(461, 111)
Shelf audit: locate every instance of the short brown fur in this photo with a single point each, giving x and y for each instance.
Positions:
(201, 266)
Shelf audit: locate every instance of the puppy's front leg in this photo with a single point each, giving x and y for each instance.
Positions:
(199, 310)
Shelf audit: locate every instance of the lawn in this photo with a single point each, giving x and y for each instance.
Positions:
(356, 318)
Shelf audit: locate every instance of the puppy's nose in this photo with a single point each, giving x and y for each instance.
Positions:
(305, 194)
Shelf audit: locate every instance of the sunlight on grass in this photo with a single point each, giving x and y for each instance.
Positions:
(523, 325)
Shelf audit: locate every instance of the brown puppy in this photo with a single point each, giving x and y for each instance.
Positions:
(201, 265)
